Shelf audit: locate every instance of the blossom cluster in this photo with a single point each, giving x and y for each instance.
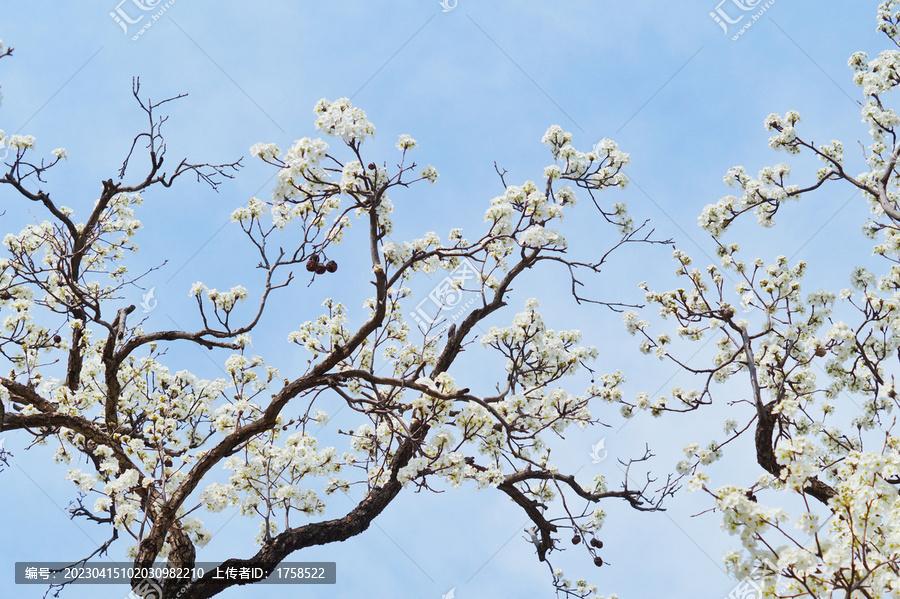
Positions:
(818, 401)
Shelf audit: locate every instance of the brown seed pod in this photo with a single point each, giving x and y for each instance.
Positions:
(576, 539)
(821, 351)
(598, 561)
(371, 166)
(320, 269)
(57, 339)
(597, 543)
(727, 313)
(331, 266)
(5, 295)
(311, 263)
(497, 427)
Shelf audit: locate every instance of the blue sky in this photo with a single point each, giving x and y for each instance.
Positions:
(474, 85)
